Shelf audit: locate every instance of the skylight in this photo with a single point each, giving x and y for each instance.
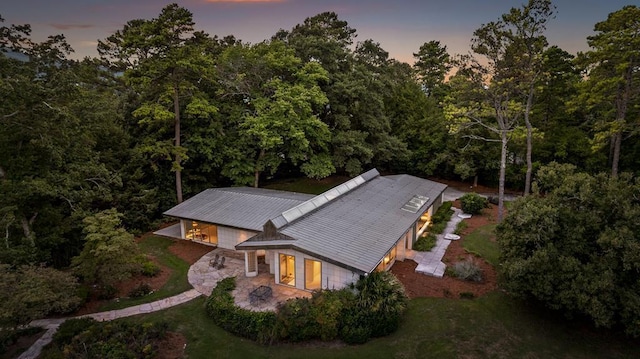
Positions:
(414, 204)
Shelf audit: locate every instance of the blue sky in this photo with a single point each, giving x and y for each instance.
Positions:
(400, 26)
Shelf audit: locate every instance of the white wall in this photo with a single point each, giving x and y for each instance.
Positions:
(229, 237)
(333, 277)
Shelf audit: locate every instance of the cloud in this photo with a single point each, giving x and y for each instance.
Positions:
(71, 26)
(244, 1)
(86, 43)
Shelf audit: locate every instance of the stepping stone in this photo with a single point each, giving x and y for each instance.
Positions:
(451, 236)
(464, 215)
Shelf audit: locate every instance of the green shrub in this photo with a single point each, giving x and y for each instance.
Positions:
(70, 328)
(473, 203)
(107, 292)
(467, 270)
(140, 291)
(150, 269)
(425, 243)
(467, 295)
(460, 227)
(440, 219)
(86, 338)
(258, 326)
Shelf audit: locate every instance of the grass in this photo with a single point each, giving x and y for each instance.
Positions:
(479, 242)
(177, 283)
(307, 185)
(491, 326)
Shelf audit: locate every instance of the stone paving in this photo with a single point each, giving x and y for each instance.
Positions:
(204, 278)
(430, 263)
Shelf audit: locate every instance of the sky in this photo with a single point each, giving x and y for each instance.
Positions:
(400, 26)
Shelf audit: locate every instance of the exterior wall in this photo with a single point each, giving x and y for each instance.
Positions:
(333, 277)
(229, 237)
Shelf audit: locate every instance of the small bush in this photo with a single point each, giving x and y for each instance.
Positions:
(107, 292)
(140, 291)
(150, 269)
(467, 295)
(467, 270)
(473, 203)
(70, 328)
(460, 227)
(425, 243)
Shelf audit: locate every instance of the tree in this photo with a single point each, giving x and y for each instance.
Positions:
(574, 245)
(166, 60)
(278, 97)
(31, 292)
(504, 82)
(613, 84)
(110, 254)
(432, 64)
(50, 169)
(524, 49)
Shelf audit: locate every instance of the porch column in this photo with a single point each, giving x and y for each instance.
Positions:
(182, 229)
(400, 248)
(250, 263)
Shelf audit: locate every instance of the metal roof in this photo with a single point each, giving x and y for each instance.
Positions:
(240, 207)
(360, 226)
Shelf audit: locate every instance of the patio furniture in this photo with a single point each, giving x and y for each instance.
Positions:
(214, 261)
(221, 264)
(260, 295)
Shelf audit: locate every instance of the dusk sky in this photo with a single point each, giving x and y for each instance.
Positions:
(400, 26)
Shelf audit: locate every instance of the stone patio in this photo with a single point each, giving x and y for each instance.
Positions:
(204, 278)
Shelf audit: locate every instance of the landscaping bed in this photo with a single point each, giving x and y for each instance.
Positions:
(420, 285)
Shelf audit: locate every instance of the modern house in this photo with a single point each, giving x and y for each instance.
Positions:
(312, 242)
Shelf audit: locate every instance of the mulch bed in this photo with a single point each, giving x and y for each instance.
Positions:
(420, 285)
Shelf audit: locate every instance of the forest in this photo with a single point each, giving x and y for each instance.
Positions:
(100, 147)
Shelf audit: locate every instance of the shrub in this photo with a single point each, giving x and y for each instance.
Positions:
(107, 292)
(460, 227)
(70, 328)
(140, 291)
(467, 295)
(150, 269)
(467, 270)
(258, 326)
(473, 203)
(425, 243)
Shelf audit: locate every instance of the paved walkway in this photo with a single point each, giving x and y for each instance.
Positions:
(51, 325)
(430, 263)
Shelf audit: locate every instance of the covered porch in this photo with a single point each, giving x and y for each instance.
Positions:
(204, 277)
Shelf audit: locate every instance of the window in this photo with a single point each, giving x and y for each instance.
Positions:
(252, 262)
(199, 231)
(312, 274)
(287, 269)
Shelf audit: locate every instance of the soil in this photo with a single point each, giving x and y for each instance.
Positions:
(189, 251)
(420, 285)
(172, 346)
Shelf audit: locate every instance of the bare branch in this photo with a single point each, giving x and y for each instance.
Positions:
(476, 137)
(11, 114)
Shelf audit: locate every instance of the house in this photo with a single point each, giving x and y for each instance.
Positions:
(312, 242)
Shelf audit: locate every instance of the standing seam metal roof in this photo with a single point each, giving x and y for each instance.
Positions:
(240, 207)
(358, 228)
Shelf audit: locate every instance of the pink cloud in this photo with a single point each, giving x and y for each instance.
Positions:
(71, 26)
(243, 1)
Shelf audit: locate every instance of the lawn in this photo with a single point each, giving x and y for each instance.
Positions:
(177, 283)
(492, 326)
(482, 243)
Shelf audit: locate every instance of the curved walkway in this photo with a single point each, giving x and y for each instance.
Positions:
(51, 325)
(430, 263)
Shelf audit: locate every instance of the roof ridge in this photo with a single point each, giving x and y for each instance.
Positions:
(227, 189)
(322, 199)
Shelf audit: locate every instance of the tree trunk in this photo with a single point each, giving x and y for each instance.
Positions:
(527, 120)
(26, 229)
(617, 138)
(475, 181)
(256, 174)
(503, 170)
(176, 112)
